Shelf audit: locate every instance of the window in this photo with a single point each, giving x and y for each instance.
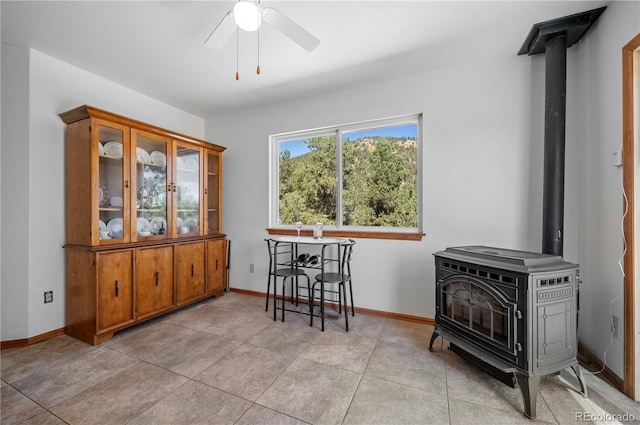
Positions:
(360, 177)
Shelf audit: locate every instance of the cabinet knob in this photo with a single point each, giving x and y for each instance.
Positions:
(126, 183)
(156, 276)
(116, 288)
(192, 270)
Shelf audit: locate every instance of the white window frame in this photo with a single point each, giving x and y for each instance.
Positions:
(339, 130)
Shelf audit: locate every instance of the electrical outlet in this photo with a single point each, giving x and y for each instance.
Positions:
(616, 325)
(251, 268)
(48, 297)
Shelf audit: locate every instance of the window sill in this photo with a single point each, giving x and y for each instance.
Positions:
(351, 234)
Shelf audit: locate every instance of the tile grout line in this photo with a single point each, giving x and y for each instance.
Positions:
(363, 371)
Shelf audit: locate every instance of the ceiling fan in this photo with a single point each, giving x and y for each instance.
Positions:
(248, 15)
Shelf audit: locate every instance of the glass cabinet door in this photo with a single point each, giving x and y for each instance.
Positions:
(212, 191)
(187, 193)
(149, 191)
(113, 184)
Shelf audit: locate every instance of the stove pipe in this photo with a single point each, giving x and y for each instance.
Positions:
(554, 144)
(555, 37)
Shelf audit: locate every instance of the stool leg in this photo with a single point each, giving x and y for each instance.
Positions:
(322, 305)
(312, 299)
(284, 292)
(309, 294)
(353, 311)
(346, 309)
(266, 308)
(275, 298)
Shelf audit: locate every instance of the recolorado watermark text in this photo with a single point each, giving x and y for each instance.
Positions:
(604, 417)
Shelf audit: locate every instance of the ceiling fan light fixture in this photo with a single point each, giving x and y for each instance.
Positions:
(247, 15)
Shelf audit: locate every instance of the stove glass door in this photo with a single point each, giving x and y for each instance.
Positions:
(479, 309)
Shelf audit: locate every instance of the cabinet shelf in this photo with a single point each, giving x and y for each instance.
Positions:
(151, 164)
(143, 210)
(110, 208)
(116, 158)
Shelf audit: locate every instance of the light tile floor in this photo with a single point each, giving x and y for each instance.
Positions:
(225, 361)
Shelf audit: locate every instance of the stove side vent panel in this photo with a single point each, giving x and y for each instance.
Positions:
(554, 329)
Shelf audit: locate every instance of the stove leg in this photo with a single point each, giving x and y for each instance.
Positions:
(529, 385)
(583, 385)
(434, 335)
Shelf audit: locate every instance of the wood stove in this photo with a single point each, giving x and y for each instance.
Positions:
(513, 313)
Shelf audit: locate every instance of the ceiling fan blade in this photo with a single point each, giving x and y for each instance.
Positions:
(289, 28)
(222, 32)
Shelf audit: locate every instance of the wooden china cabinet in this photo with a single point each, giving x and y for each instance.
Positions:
(144, 222)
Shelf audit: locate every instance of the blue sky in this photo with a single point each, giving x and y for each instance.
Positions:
(298, 147)
(408, 130)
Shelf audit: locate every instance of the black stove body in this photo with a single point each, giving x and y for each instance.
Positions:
(513, 313)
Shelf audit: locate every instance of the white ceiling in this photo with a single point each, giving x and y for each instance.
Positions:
(156, 47)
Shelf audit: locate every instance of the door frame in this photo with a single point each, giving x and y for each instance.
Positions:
(628, 170)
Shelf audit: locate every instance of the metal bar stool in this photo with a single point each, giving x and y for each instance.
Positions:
(342, 277)
(283, 254)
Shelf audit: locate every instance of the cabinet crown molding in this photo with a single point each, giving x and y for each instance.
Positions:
(87, 111)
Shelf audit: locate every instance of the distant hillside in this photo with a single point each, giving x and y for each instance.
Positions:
(368, 143)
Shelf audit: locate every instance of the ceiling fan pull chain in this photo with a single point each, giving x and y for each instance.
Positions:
(258, 68)
(237, 50)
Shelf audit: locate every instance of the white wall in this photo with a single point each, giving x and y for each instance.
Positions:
(14, 190)
(33, 176)
(600, 189)
(476, 162)
(482, 161)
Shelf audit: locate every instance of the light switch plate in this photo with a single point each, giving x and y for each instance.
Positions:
(617, 159)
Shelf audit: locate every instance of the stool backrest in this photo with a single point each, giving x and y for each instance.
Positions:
(347, 251)
(284, 253)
